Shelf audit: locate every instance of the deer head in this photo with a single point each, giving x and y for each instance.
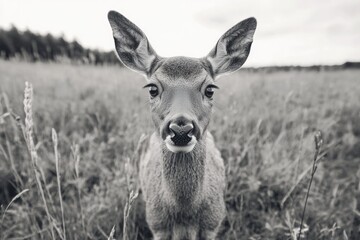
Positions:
(181, 89)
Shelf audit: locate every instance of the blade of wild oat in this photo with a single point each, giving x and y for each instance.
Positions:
(55, 142)
(111, 236)
(14, 198)
(302, 175)
(28, 98)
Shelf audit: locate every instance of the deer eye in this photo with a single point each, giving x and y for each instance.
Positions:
(209, 91)
(153, 90)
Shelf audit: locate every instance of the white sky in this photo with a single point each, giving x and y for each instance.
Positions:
(289, 31)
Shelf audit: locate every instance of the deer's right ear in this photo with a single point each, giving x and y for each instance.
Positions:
(131, 44)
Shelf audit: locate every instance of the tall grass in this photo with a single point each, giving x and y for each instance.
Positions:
(55, 142)
(318, 143)
(80, 175)
(39, 176)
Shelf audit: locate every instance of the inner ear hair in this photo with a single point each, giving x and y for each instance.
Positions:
(232, 49)
(132, 45)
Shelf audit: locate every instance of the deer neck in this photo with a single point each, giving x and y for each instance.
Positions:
(184, 173)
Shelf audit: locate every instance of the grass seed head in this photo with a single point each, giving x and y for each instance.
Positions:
(318, 139)
(28, 97)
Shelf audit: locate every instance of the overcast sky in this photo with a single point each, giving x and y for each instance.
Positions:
(289, 31)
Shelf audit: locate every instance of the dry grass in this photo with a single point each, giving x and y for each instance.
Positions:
(78, 185)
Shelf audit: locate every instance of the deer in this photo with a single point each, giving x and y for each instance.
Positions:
(182, 173)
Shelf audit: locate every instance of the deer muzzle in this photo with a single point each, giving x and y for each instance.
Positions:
(181, 134)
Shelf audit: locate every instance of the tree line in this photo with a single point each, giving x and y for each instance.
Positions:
(33, 47)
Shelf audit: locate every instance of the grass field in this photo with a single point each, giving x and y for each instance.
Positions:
(263, 124)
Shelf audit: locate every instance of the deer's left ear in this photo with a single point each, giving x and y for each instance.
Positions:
(232, 49)
(132, 45)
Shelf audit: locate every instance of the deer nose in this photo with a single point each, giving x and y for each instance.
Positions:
(181, 132)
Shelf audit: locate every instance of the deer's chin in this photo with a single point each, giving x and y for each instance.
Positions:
(180, 149)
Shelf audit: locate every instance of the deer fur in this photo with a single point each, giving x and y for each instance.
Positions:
(183, 185)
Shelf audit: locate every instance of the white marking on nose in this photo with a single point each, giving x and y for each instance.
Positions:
(181, 129)
(176, 149)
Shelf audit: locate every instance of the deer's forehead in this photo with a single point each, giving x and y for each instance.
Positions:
(181, 70)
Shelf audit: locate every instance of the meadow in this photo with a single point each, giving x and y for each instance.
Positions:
(263, 123)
